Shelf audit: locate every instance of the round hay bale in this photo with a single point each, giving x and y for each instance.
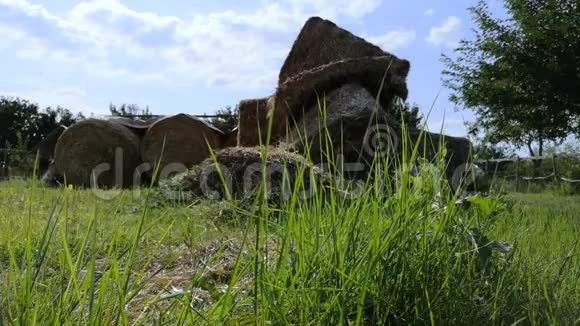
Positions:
(231, 139)
(179, 142)
(458, 168)
(45, 148)
(253, 123)
(99, 148)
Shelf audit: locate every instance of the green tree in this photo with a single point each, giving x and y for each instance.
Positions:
(520, 74)
(226, 119)
(131, 111)
(49, 119)
(17, 116)
(24, 124)
(409, 113)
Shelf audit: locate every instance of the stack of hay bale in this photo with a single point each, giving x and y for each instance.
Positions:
(357, 81)
(115, 152)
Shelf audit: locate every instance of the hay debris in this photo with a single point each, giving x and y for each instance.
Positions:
(242, 169)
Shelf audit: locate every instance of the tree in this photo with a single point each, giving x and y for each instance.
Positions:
(226, 119)
(485, 151)
(520, 74)
(131, 111)
(409, 114)
(49, 119)
(16, 116)
(23, 123)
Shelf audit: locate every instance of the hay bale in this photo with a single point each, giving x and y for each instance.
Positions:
(457, 152)
(84, 147)
(230, 139)
(242, 169)
(45, 148)
(321, 42)
(350, 127)
(325, 57)
(307, 88)
(253, 123)
(186, 140)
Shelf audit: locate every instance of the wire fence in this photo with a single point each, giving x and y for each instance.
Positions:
(517, 173)
(10, 159)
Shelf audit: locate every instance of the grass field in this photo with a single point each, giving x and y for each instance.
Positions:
(404, 257)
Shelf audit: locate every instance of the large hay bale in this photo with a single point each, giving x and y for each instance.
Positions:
(179, 142)
(457, 152)
(86, 148)
(325, 57)
(350, 127)
(231, 138)
(358, 130)
(303, 92)
(253, 123)
(45, 148)
(242, 168)
(321, 42)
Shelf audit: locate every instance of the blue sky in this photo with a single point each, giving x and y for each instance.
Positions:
(197, 56)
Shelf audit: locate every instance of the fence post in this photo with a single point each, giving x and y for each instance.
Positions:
(554, 169)
(517, 173)
(4, 164)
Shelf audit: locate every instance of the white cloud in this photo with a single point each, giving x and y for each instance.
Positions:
(334, 8)
(447, 34)
(31, 10)
(430, 12)
(108, 40)
(394, 40)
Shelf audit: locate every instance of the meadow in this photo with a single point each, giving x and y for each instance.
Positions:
(405, 255)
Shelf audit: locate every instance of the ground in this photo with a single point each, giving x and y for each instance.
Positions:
(69, 257)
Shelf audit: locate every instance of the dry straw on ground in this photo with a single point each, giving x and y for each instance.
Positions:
(242, 168)
(180, 141)
(86, 145)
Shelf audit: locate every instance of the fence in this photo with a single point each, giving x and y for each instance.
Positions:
(554, 176)
(9, 163)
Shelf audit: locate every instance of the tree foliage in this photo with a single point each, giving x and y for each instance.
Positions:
(23, 123)
(409, 114)
(521, 74)
(226, 119)
(131, 111)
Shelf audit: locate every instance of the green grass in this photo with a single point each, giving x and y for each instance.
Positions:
(403, 257)
(400, 253)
